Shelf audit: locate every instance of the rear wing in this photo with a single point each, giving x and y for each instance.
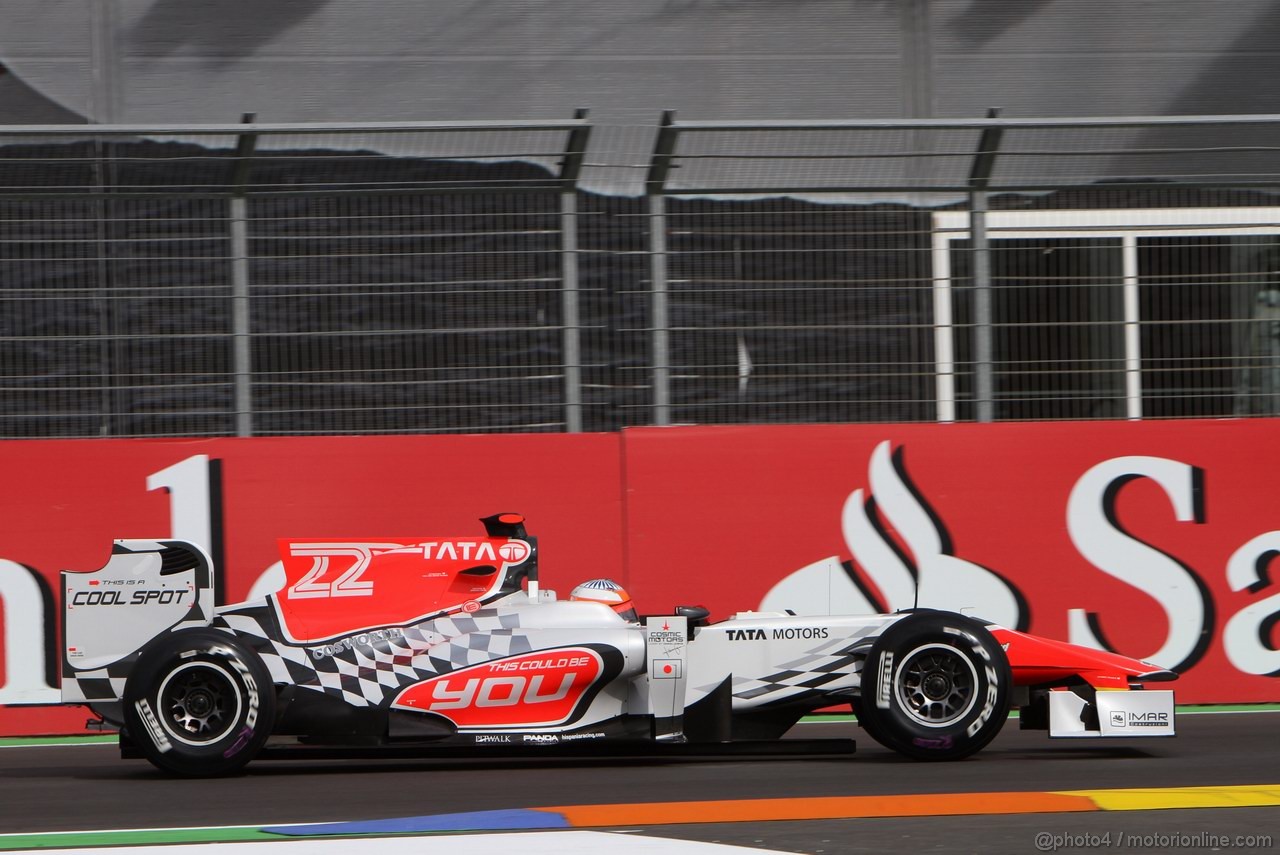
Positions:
(147, 588)
(512, 526)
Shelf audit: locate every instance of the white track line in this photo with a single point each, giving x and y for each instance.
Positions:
(526, 843)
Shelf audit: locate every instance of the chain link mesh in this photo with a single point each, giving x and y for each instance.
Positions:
(279, 280)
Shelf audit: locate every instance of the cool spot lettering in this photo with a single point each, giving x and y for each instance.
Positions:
(128, 598)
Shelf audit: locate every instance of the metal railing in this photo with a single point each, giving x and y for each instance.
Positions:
(267, 279)
(967, 269)
(260, 279)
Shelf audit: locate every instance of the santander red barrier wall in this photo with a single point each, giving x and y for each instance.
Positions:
(1153, 538)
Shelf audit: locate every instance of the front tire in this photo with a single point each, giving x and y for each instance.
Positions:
(935, 687)
(199, 703)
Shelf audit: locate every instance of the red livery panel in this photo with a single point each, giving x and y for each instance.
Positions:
(533, 690)
(335, 588)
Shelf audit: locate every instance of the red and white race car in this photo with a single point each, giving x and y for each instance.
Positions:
(446, 644)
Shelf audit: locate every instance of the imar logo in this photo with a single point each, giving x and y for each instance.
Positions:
(1149, 719)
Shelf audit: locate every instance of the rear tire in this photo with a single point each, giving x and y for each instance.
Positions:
(935, 687)
(199, 703)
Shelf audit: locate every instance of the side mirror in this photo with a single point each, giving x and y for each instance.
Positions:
(697, 615)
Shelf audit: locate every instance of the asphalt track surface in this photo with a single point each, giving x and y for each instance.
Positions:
(86, 787)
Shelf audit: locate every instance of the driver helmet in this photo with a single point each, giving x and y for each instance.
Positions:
(608, 592)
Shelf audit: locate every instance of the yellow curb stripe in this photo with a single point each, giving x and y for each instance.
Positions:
(1172, 798)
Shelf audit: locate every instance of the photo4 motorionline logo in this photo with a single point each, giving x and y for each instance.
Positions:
(1047, 841)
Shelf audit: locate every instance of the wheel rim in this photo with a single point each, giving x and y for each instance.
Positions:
(199, 703)
(936, 685)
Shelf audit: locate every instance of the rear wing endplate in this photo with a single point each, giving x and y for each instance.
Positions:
(147, 588)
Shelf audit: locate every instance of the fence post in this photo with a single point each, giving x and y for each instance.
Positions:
(242, 355)
(655, 193)
(571, 167)
(983, 381)
(1132, 329)
(943, 327)
(570, 311)
(979, 177)
(660, 335)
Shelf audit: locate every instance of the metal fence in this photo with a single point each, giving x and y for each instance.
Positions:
(293, 279)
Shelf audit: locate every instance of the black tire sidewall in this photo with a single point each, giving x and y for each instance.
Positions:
(232, 662)
(900, 731)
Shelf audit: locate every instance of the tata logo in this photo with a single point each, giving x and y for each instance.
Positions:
(746, 634)
(511, 552)
(514, 551)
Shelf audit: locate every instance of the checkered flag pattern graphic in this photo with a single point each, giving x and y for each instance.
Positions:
(833, 660)
(366, 669)
(101, 684)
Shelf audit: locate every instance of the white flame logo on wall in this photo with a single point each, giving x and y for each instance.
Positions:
(928, 577)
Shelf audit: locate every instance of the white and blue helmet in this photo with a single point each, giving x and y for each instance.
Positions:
(608, 592)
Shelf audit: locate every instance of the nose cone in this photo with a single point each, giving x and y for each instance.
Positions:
(1044, 660)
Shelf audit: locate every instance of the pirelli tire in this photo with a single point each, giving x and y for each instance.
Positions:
(199, 703)
(935, 686)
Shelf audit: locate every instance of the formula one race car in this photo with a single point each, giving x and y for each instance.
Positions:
(446, 644)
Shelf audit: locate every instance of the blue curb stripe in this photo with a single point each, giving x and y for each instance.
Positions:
(484, 820)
